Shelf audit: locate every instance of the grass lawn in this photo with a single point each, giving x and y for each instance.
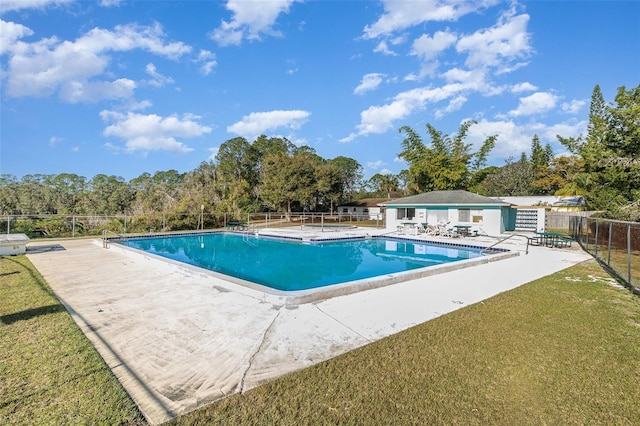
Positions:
(51, 374)
(564, 349)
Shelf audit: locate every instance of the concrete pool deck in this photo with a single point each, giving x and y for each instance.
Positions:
(178, 339)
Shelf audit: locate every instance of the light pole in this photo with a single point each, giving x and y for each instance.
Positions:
(202, 217)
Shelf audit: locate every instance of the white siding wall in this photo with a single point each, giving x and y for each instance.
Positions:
(491, 219)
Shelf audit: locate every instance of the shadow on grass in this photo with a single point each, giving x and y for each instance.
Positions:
(31, 313)
(37, 278)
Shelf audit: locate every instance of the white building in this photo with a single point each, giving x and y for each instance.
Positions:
(367, 208)
(483, 214)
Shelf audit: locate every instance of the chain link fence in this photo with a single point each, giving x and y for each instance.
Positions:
(615, 244)
(78, 226)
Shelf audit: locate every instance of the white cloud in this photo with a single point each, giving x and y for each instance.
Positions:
(368, 83)
(152, 132)
(11, 32)
(158, 80)
(428, 48)
(379, 119)
(523, 87)
(375, 164)
(257, 123)
(208, 61)
(536, 103)
(515, 138)
(383, 48)
(9, 5)
(292, 68)
(454, 105)
(472, 79)
(499, 45)
(88, 92)
(400, 15)
(574, 106)
(74, 68)
(250, 20)
(110, 3)
(54, 140)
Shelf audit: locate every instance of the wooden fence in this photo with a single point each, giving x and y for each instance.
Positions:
(561, 220)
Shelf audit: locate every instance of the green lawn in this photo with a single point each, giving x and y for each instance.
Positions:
(564, 349)
(51, 374)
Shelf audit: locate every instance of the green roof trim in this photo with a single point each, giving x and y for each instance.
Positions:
(449, 198)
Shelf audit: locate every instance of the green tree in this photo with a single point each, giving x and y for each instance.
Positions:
(540, 160)
(384, 183)
(556, 179)
(36, 195)
(610, 179)
(448, 163)
(157, 193)
(351, 176)
(288, 180)
(329, 183)
(9, 190)
(512, 179)
(109, 195)
(238, 176)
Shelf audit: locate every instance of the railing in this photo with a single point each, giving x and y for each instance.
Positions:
(322, 220)
(80, 226)
(105, 239)
(501, 240)
(615, 244)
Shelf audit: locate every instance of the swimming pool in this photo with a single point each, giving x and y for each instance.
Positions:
(295, 265)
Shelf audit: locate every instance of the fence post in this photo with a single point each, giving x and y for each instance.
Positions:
(596, 240)
(73, 226)
(609, 245)
(629, 254)
(8, 224)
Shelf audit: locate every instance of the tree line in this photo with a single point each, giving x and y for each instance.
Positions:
(273, 174)
(268, 174)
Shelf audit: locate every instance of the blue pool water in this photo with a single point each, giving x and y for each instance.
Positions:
(295, 265)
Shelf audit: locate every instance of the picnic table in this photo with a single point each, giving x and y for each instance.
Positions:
(463, 230)
(236, 225)
(551, 239)
(408, 228)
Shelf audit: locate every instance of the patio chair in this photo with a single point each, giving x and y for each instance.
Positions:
(445, 231)
(429, 229)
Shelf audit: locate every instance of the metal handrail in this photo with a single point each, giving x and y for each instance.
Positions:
(505, 239)
(105, 240)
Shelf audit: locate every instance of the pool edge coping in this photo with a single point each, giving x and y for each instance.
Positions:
(318, 294)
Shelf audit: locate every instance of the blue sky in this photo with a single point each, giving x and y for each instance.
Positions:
(126, 87)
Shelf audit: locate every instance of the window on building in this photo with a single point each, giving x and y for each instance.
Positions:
(469, 215)
(476, 216)
(405, 213)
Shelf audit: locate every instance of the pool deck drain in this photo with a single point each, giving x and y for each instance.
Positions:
(178, 339)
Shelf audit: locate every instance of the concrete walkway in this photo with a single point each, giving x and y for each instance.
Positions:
(178, 338)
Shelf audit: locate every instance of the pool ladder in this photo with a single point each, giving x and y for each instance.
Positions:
(105, 239)
(246, 235)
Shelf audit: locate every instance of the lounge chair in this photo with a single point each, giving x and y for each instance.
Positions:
(429, 229)
(445, 232)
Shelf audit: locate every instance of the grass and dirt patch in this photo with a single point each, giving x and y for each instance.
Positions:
(564, 349)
